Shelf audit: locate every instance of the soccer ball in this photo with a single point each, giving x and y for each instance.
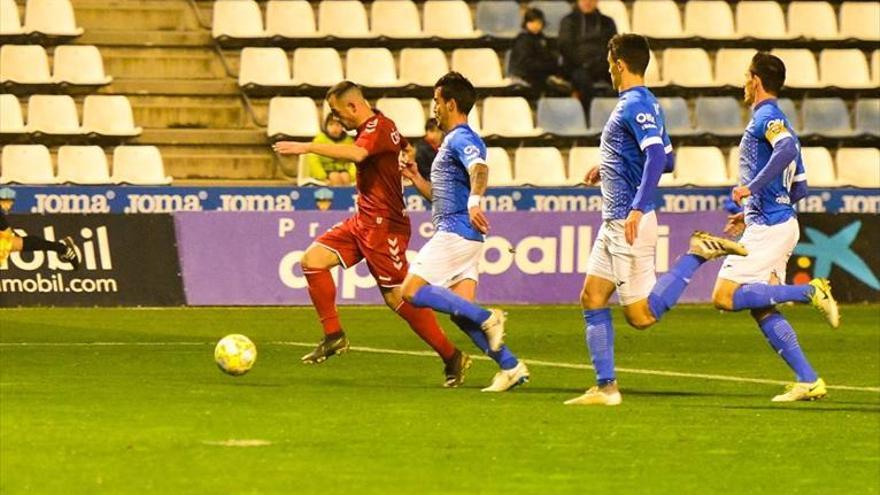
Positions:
(235, 354)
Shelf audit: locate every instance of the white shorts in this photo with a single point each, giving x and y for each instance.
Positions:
(769, 248)
(447, 259)
(631, 268)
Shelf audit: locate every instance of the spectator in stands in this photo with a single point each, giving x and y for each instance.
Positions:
(426, 149)
(532, 60)
(333, 172)
(583, 42)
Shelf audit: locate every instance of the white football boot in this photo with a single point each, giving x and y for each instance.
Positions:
(505, 380)
(494, 329)
(609, 395)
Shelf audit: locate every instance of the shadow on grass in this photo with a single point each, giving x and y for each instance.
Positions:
(872, 409)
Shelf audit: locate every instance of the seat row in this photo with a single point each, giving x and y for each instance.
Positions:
(689, 67)
(71, 65)
(41, 17)
(57, 115)
(712, 19)
(32, 164)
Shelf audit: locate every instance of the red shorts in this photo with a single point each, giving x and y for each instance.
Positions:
(384, 250)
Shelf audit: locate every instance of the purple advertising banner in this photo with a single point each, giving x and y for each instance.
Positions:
(233, 258)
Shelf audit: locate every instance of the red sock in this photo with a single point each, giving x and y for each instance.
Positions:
(322, 290)
(424, 324)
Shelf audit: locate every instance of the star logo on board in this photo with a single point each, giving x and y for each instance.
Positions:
(836, 250)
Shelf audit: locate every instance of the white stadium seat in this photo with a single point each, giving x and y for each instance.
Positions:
(407, 114)
(79, 64)
(616, 10)
(24, 64)
(539, 167)
(51, 17)
(83, 165)
(733, 164)
(317, 66)
(656, 18)
(237, 19)
(500, 173)
(762, 19)
(875, 67)
(422, 66)
(395, 19)
(448, 19)
(293, 116)
(859, 167)
(290, 19)
(109, 115)
(819, 167)
(652, 73)
(813, 20)
(264, 67)
(844, 68)
(343, 19)
(10, 22)
(11, 120)
(26, 164)
(139, 165)
(731, 65)
(860, 20)
(371, 67)
(711, 19)
(580, 160)
(508, 116)
(53, 114)
(701, 166)
(687, 67)
(480, 65)
(800, 67)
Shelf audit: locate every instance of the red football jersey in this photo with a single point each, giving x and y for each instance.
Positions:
(379, 183)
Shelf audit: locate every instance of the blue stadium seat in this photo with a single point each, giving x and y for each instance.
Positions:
(678, 120)
(600, 110)
(499, 18)
(868, 116)
(788, 108)
(554, 11)
(826, 116)
(562, 116)
(721, 116)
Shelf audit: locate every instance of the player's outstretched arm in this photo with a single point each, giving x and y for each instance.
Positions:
(479, 184)
(347, 152)
(409, 169)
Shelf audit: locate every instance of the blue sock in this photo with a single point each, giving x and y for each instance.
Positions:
(600, 343)
(668, 289)
(505, 359)
(445, 301)
(784, 341)
(756, 296)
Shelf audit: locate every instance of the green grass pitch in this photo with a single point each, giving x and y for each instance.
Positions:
(136, 418)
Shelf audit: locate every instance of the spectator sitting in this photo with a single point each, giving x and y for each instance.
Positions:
(532, 61)
(583, 42)
(330, 171)
(426, 149)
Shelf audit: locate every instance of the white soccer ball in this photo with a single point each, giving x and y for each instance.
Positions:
(235, 354)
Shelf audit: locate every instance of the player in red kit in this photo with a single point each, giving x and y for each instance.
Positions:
(379, 232)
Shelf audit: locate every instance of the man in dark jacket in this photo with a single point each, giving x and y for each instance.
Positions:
(532, 60)
(583, 42)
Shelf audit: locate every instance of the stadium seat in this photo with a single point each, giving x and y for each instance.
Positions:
(83, 165)
(700, 166)
(422, 66)
(819, 167)
(264, 67)
(616, 10)
(24, 64)
(26, 164)
(580, 161)
(860, 20)
(407, 114)
(290, 19)
(733, 164)
(51, 18)
(801, 70)
(395, 19)
(678, 120)
(562, 116)
(539, 167)
(317, 67)
(844, 68)
(812, 20)
(448, 19)
(480, 65)
(239, 19)
(304, 174)
(371, 67)
(508, 116)
(656, 18)
(875, 67)
(868, 116)
(858, 167)
(687, 67)
(554, 11)
(761, 19)
(343, 19)
(826, 116)
(498, 18)
(500, 173)
(53, 115)
(293, 116)
(711, 19)
(139, 165)
(473, 117)
(600, 110)
(79, 65)
(788, 108)
(109, 115)
(652, 73)
(731, 65)
(719, 115)
(11, 120)
(10, 22)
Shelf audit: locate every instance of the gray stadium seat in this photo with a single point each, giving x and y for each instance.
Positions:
(678, 120)
(561, 116)
(719, 115)
(868, 116)
(499, 18)
(826, 116)
(600, 110)
(788, 108)
(554, 11)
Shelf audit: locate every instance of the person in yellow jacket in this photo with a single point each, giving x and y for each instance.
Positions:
(10, 242)
(328, 170)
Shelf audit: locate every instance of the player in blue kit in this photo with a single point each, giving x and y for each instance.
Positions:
(772, 180)
(635, 151)
(444, 274)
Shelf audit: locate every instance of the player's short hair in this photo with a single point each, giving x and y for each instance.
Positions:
(431, 125)
(454, 86)
(533, 15)
(633, 49)
(341, 88)
(770, 69)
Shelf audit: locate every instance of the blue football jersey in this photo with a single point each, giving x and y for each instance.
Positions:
(451, 181)
(772, 204)
(636, 123)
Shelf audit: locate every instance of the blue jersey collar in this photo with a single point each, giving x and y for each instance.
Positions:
(768, 101)
(625, 91)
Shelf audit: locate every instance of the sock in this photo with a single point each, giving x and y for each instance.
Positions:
(670, 286)
(600, 343)
(784, 341)
(445, 301)
(504, 357)
(322, 290)
(424, 324)
(755, 296)
(34, 243)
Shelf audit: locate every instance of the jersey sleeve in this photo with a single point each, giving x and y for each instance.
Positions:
(469, 150)
(774, 128)
(644, 124)
(380, 136)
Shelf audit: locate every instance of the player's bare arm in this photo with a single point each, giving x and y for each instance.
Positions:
(479, 185)
(592, 177)
(410, 170)
(348, 152)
